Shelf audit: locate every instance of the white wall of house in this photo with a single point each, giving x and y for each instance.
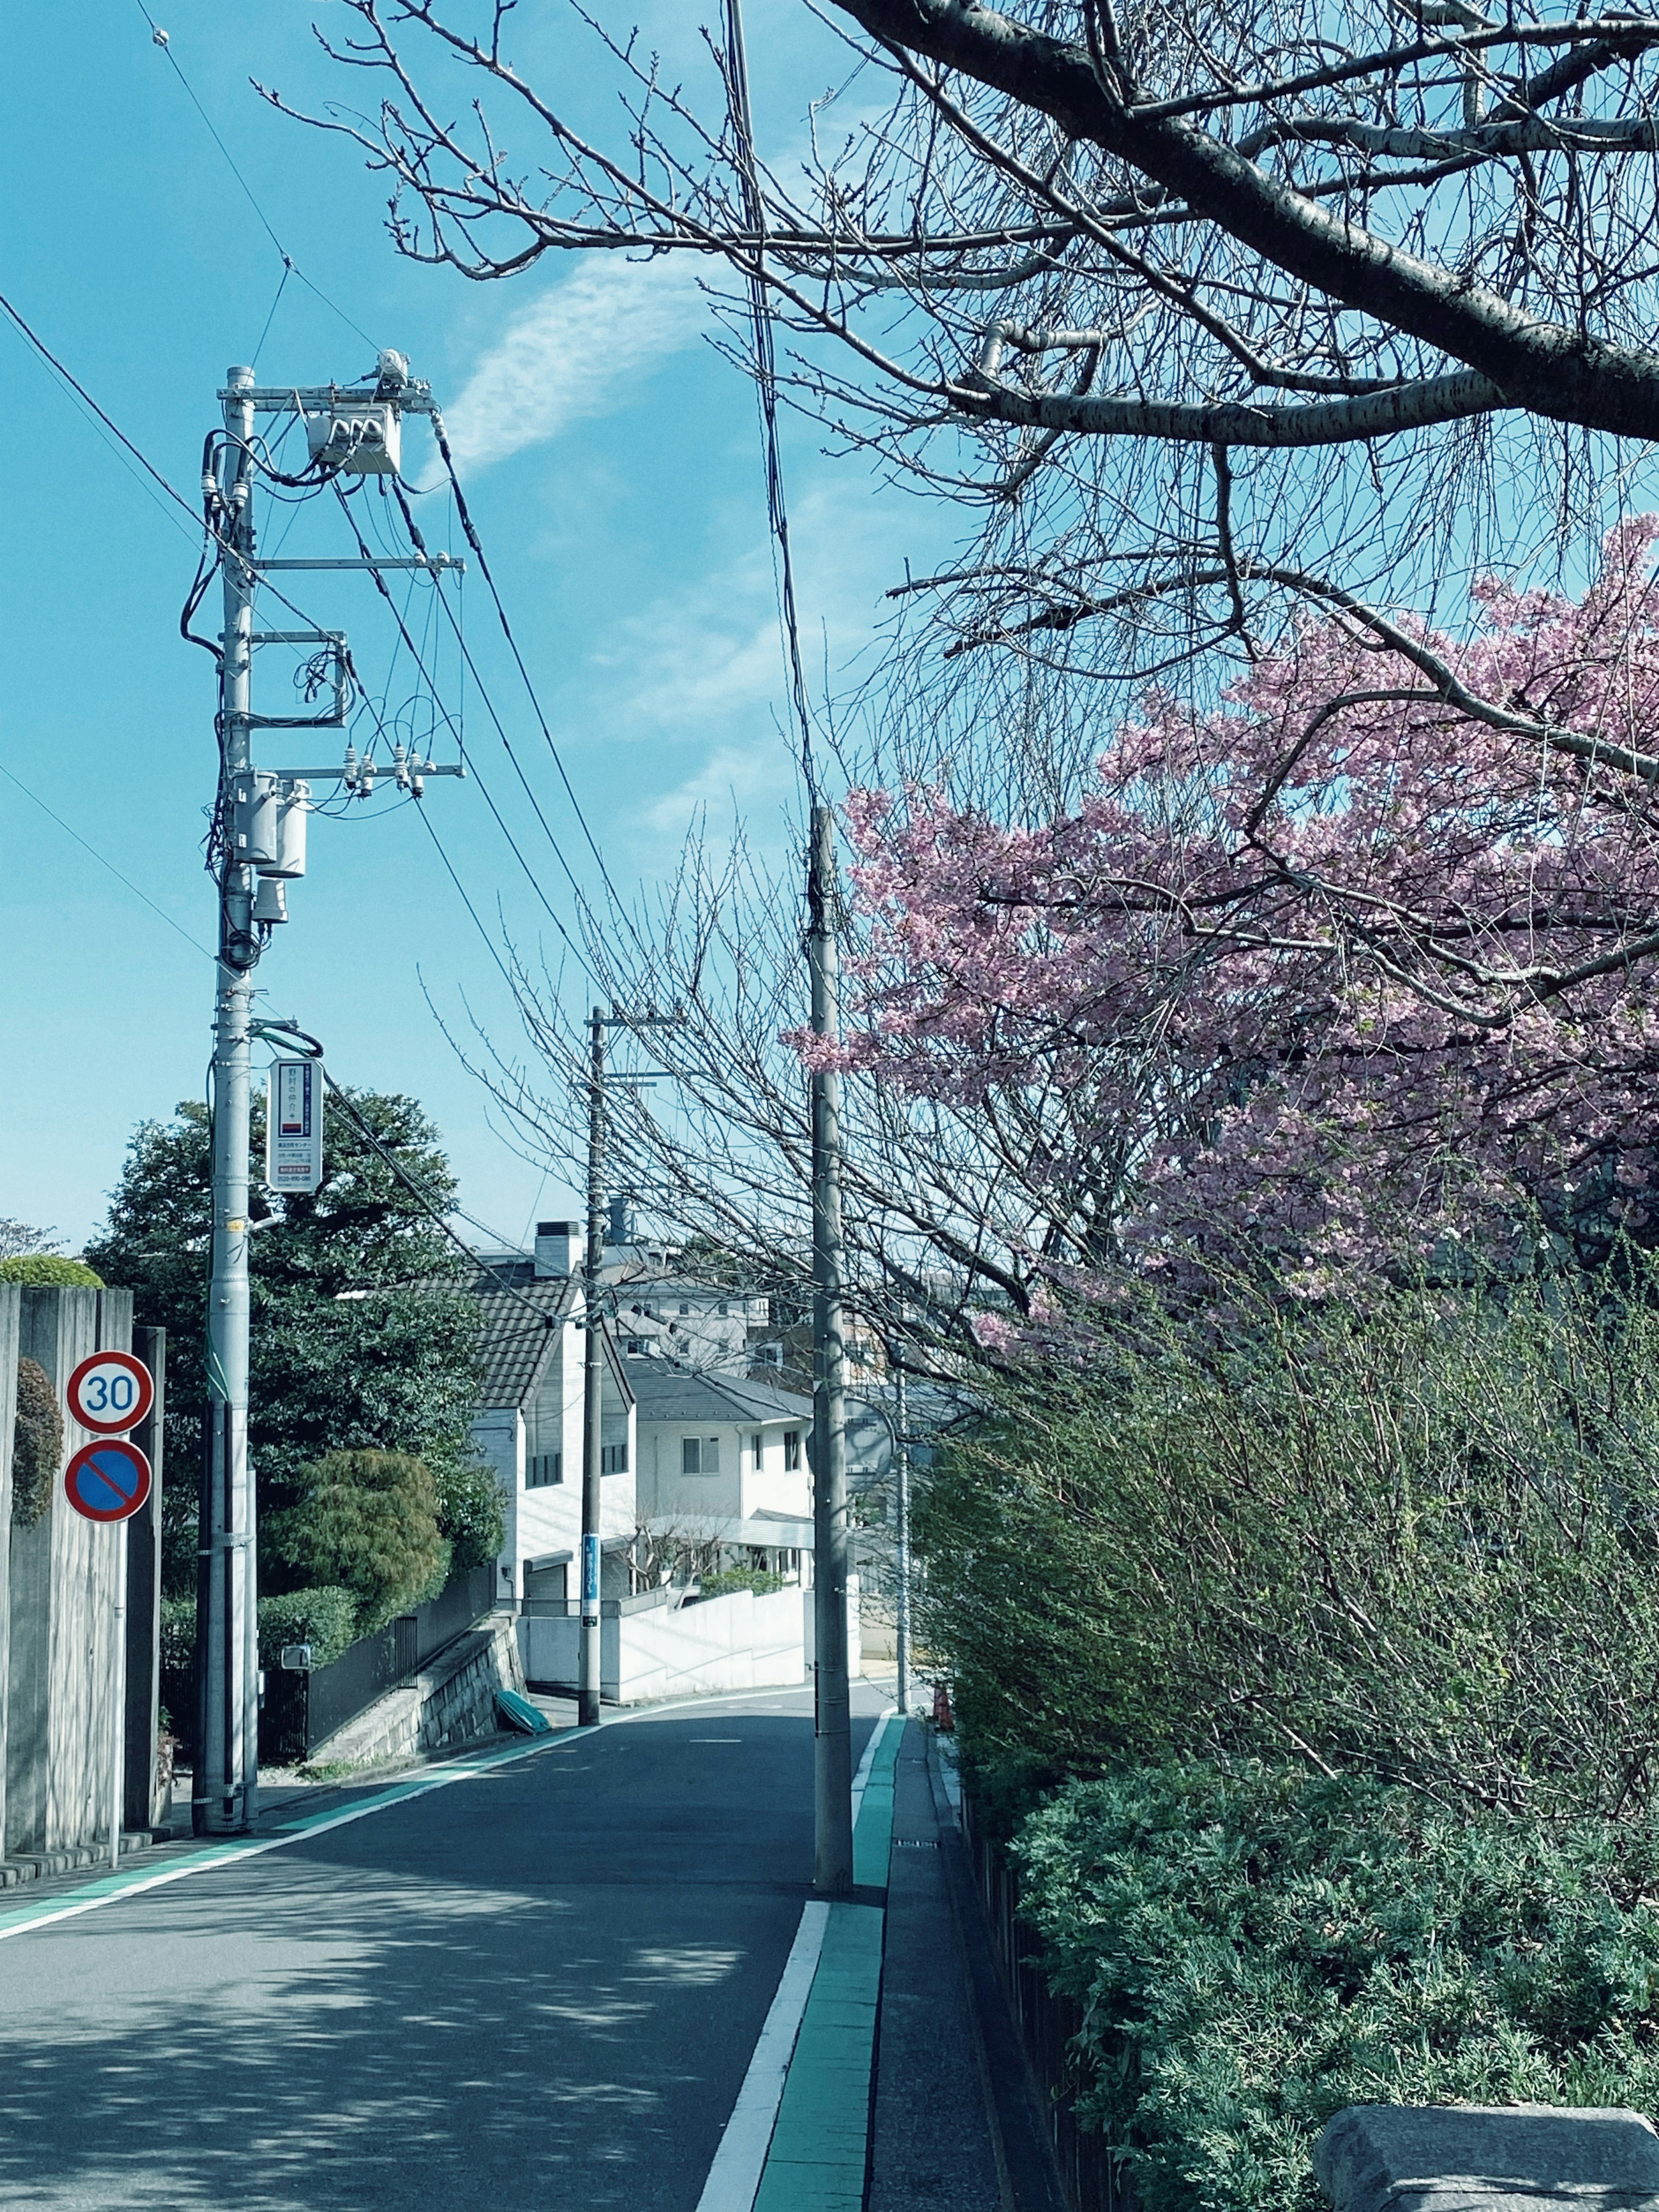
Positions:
(527, 1446)
(731, 1482)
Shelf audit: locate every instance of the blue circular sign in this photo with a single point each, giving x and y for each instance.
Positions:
(108, 1481)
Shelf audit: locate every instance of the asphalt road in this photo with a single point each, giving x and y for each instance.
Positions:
(539, 1986)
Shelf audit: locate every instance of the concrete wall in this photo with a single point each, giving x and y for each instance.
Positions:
(61, 1665)
(11, 1298)
(451, 1701)
(738, 1642)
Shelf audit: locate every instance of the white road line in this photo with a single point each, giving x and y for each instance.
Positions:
(734, 2178)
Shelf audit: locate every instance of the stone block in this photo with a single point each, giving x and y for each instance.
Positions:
(1487, 2158)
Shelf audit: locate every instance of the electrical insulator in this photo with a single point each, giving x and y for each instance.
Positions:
(253, 818)
(292, 808)
(271, 900)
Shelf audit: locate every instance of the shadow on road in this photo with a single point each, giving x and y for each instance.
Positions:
(543, 1981)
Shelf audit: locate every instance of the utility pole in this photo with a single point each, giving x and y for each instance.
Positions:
(587, 1680)
(226, 1781)
(590, 1655)
(902, 1512)
(832, 1690)
(259, 825)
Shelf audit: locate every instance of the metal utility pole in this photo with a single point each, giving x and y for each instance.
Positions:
(259, 819)
(832, 1698)
(901, 1514)
(587, 1699)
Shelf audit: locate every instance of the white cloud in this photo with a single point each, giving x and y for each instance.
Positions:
(580, 351)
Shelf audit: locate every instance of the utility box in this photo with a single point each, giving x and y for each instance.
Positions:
(360, 437)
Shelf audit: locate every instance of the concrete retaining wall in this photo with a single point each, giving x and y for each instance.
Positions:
(450, 1701)
(58, 1667)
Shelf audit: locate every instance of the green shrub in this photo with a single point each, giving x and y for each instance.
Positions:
(471, 1512)
(37, 1444)
(1254, 1950)
(367, 1521)
(49, 1270)
(1420, 1543)
(177, 1663)
(325, 1618)
(760, 1580)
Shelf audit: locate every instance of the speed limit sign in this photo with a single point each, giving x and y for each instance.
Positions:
(109, 1393)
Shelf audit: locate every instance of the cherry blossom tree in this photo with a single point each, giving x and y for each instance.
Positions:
(1354, 964)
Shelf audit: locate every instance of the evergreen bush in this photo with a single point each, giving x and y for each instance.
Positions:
(367, 1521)
(37, 1444)
(1255, 1948)
(325, 1618)
(761, 1580)
(471, 1512)
(49, 1270)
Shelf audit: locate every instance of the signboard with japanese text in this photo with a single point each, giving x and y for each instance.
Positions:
(294, 1139)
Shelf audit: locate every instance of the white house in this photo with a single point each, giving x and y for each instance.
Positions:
(722, 1457)
(529, 1423)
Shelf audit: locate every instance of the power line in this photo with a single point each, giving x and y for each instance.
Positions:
(476, 543)
(289, 264)
(760, 307)
(177, 927)
(531, 875)
(429, 1207)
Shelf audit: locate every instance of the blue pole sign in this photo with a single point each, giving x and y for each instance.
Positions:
(108, 1481)
(590, 1573)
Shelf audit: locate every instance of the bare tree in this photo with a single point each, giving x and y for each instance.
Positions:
(1184, 302)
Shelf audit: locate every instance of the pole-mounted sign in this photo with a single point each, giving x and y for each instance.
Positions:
(293, 1126)
(108, 1481)
(110, 1393)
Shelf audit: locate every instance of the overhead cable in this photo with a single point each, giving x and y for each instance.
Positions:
(766, 379)
(290, 266)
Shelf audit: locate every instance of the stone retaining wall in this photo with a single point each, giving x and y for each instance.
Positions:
(451, 1701)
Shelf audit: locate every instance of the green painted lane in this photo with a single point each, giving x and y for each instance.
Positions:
(821, 2143)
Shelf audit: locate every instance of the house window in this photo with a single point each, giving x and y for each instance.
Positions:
(700, 1455)
(758, 1445)
(543, 1469)
(722, 1310)
(685, 1310)
(636, 1346)
(791, 1451)
(613, 1459)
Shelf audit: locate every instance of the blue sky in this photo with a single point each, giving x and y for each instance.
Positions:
(612, 463)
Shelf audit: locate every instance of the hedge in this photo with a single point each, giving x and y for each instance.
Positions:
(1255, 1949)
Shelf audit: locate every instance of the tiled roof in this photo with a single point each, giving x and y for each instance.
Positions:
(516, 1346)
(664, 1392)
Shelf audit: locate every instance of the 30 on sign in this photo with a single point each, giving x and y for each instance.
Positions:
(110, 1392)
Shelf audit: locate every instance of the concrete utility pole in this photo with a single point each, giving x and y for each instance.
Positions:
(259, 819)
(832, 1698)
(902, 1515)
(227, 1782)
(590, 1657)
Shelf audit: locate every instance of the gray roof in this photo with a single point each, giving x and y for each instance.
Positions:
(665, 1392)
(515, 1344)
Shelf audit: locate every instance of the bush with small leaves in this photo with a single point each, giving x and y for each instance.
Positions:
(49, 1270)
(37, 1445)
